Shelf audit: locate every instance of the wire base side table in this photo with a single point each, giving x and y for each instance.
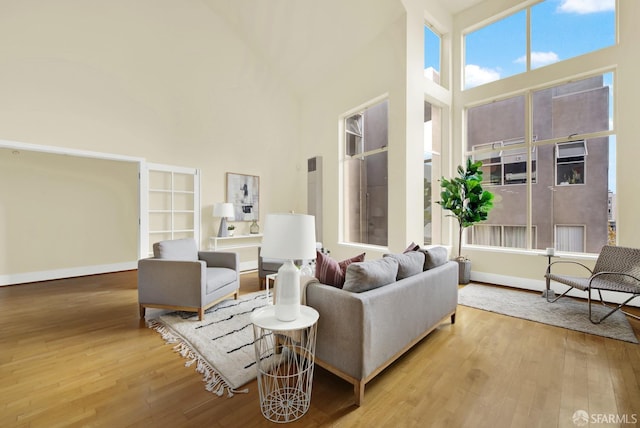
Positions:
(285, 354)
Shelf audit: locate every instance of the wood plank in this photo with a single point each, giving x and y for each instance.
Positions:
(74, 352)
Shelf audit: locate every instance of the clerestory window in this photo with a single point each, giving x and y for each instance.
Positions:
(557, 33)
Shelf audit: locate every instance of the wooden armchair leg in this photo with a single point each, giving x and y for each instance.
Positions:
(200, 314)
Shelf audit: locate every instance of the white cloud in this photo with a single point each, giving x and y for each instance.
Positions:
(476, 75)
(539, 59)
(586, 6)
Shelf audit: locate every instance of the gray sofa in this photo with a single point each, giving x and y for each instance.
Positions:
(361, 333)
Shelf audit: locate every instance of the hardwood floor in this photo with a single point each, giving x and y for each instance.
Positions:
(73, 352)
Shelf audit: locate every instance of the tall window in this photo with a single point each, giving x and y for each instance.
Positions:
(568, 166)
(559, 30)
(365, 175)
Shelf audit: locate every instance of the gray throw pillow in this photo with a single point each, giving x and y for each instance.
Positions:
(434, 257)
(372, 274)
(409, 263)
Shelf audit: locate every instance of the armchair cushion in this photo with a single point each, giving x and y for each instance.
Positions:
(177, 249)
(219, 277)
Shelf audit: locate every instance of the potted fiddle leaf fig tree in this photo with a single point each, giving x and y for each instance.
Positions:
(468, 203)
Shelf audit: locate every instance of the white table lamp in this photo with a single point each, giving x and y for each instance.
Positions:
(224, 210)
(288, 237)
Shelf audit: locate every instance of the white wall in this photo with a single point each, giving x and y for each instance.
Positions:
(157, 79)
(44, 224)
(373, 72)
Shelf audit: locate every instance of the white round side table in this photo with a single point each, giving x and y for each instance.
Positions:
(285, 353)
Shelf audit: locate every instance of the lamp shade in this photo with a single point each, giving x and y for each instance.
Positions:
(223, 209)
(289, 237)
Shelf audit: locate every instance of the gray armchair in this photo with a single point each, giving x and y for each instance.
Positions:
(266, 267)
(180, 277)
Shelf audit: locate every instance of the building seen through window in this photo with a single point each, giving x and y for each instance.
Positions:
(569, 176)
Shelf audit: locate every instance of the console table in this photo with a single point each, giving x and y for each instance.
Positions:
(238, 242)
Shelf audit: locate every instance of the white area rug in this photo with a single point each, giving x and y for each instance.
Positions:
(566, 312)
(221, 345)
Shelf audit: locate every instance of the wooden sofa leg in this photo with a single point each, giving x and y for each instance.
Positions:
(358, 392)
(200, 314)
(142, 311)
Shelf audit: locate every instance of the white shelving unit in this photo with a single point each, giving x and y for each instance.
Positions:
(173, 203)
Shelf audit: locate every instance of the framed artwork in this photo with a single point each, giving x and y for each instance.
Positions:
(243, 191)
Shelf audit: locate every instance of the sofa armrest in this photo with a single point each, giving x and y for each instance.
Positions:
(228, 260)
(171, 282)
(341, 334)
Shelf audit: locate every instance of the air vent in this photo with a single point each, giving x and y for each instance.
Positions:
(311, 164)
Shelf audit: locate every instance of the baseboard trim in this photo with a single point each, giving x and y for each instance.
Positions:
(248, 265)
(21, 278)
(540, 285)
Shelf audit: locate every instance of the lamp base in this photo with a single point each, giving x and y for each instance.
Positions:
(287, 306)
(222, 232)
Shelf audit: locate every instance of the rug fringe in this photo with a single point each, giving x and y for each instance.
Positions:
(213, 381)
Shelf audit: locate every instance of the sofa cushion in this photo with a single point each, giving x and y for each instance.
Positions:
(332, 272)
(372, 274)
(176, 249)
(409, 263)
(434, 257)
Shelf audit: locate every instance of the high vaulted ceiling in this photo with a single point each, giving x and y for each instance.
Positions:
(304, 40)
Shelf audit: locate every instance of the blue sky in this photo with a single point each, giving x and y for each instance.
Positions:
(560, 29)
